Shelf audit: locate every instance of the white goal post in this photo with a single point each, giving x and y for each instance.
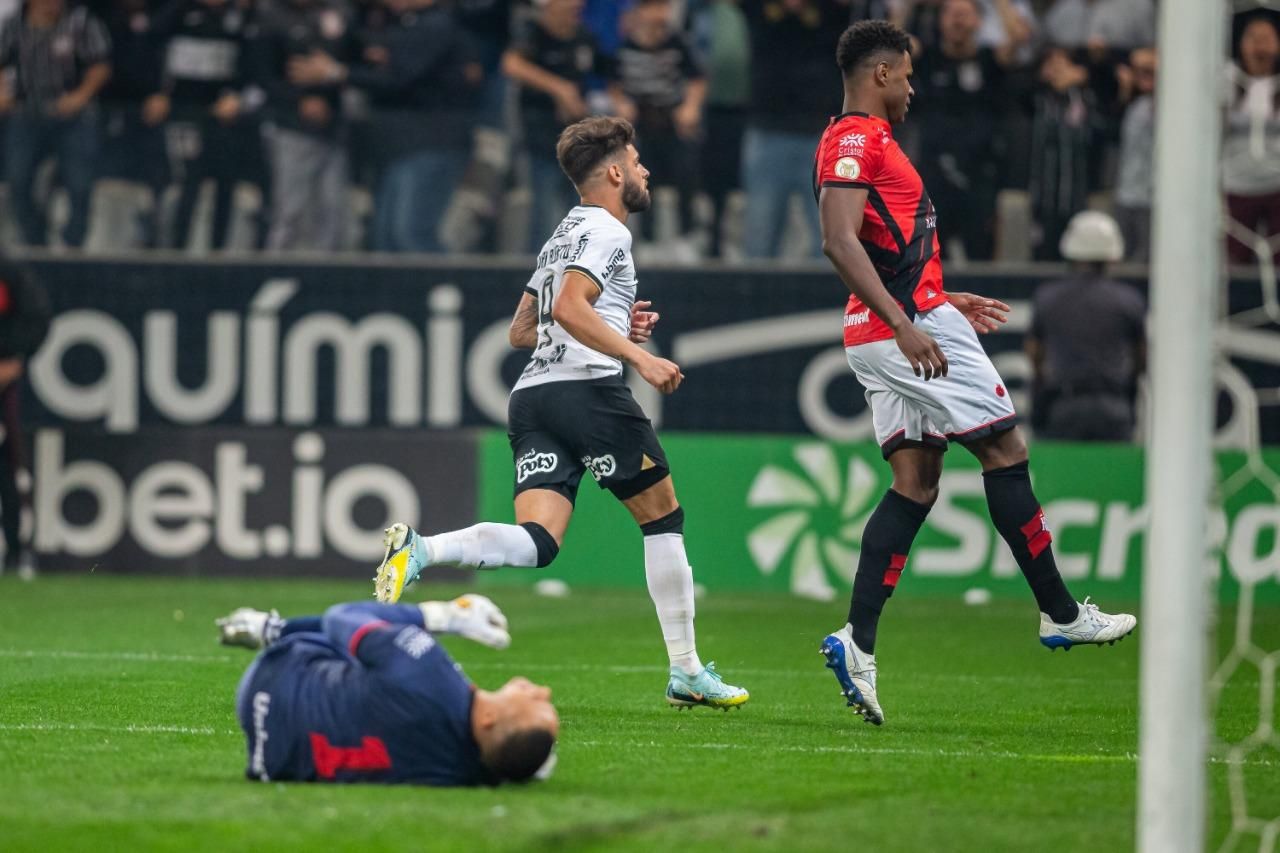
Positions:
(1174, 725)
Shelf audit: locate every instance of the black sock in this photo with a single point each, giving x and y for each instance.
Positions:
(885, 542)
(1017, 515)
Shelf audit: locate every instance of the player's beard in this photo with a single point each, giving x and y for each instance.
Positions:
(635, 198)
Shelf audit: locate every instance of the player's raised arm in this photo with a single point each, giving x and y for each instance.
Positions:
(574, 313)
(840, 212)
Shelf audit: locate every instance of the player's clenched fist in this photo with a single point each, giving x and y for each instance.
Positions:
(660, 373)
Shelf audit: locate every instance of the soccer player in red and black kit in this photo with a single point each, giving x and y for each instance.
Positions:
(914, 347)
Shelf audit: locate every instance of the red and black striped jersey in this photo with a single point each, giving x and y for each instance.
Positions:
(899, 227)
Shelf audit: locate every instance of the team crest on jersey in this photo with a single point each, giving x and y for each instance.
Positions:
(535, 462)
(852, 144)
(601, 466)
(848, 168)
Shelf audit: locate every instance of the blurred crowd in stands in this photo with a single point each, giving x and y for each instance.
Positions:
(429, 125)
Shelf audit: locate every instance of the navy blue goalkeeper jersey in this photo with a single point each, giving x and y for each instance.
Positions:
(364, 694)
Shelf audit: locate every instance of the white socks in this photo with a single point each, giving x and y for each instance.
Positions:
(483, 546)
(670, 579)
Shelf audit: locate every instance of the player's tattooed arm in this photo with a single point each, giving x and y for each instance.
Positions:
(524, 325)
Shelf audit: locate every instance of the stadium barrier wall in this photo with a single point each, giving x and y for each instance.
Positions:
(200, 417)
(408, 346)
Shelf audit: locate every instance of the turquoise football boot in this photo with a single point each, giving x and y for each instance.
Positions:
(705, 688)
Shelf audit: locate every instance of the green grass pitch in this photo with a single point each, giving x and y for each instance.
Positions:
(118, 733)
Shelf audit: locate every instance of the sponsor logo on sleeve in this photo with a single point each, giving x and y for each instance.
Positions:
(535, 462)
(616, 261)
(852, 144)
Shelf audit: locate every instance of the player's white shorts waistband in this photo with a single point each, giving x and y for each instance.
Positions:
(968, 404)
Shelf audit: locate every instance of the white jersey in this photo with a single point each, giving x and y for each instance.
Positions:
(592, 242)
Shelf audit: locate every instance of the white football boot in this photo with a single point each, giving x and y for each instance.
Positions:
(856, 672)
(1091, 627)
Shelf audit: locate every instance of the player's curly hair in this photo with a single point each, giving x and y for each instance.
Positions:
(866, 41)
(520, 754)
(586, 144)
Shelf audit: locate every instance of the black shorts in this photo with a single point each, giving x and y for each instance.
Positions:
(559, 430)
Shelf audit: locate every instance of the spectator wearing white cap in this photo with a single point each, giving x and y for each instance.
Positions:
(1087, 342)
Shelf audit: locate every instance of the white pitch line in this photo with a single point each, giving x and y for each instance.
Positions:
(797, 671)
(144, 657)
(1122, 758)
(1067, 758)
(130, 729)
(534, 666)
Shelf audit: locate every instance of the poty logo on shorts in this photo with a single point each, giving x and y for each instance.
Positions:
(601, 466)
(534, 462)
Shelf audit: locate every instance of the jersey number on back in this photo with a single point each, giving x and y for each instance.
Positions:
(370, 756)
(546, 295)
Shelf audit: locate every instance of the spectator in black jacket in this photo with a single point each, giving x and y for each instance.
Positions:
(1067, 121)
(959, 96)
(551, 59)
(306, 134)
(205, 78)
(61, 60)
(661, 89)
(24, 321)
(792, 99)
(423, 82)
(135, 106)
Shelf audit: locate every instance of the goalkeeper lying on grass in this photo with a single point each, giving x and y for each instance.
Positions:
(365, 694)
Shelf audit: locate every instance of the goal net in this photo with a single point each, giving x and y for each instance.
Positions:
(1210, 760)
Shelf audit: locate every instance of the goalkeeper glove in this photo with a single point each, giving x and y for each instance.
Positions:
(472, 616)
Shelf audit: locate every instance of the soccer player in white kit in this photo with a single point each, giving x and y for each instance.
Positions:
(571, 412)
(915, 350)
